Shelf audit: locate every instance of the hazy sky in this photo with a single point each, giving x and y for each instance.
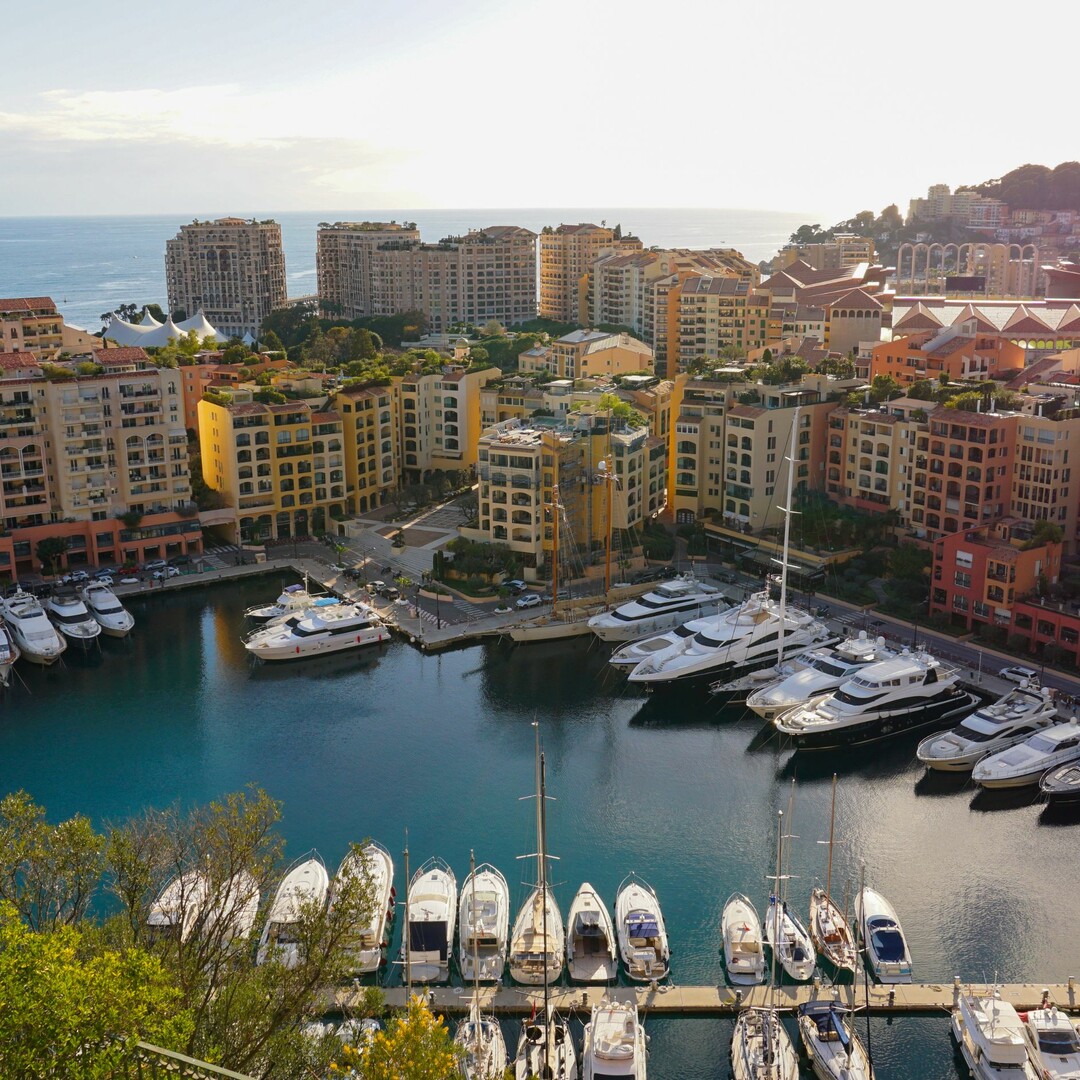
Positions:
(829, 107)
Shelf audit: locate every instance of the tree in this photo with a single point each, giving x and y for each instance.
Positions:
(416, 1046)
(841, 367)
(72, 1016)
(50, 550)
(362, 345)
(493, 328)
(127, 312)
(271, 342)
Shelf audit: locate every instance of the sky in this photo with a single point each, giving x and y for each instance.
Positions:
(832, 107)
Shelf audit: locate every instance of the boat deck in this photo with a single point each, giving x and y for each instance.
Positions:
(895, 1000)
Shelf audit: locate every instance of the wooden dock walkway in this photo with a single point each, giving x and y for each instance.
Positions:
(894, 1000)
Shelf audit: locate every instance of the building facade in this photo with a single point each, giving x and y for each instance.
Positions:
(711, 313)
(567, 254)
(231, 269)
(343, 263)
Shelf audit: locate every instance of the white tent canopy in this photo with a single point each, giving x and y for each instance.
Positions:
(150, 334)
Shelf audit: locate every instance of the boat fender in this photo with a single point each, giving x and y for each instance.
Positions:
(297, 648)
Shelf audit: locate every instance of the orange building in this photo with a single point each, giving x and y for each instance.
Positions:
(929, 356)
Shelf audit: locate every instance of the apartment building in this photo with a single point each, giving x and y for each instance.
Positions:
(980, 573)
(281, 467)
(372, 454)
(441, 419)
(567, 253)
(843, 250)
(584, 354)
(231, 269)
(711, 313)
(343, 262)
(950, 353)
(30, 324)
(77, 454)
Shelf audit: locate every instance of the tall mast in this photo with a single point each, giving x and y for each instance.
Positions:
(542, 857)
(832, 825)
(408, 927)
(476, 947)
(787, 533)
(554, 545)
(776, 904)
(609, 479)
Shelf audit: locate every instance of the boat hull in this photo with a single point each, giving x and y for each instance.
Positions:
(552, 631)
(321, 646)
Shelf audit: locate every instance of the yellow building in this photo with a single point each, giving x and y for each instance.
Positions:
(370, 424)
(31, 324)
(567, 254)
(584, 354)
(711, 313)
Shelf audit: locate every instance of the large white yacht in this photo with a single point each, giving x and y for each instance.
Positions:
(114, 619)
(484, 925)
(1053, 1043)
(1025, 763)
(614, 1043)
(35, 636)
(293, 598)
(315, 632)
(1024, 710)
(990, 1035)
(662, 608)
(373, 862)
(302, 891)
(71, 617)
(733, 643)
(885, 699)
(430, 913)
(818, 672)
(9, 653)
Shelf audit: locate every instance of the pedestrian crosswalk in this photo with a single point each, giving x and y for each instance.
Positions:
(221, 549)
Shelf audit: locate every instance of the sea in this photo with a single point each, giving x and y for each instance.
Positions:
(91, 265)
(667, 785)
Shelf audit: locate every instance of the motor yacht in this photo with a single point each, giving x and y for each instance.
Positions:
(728, 646)
(643, 939)
(293, 598)
(1053, 1043)
(231, 913)
(666, 606)
(484, 922)
(1026, 762)
(744, 953)
(1024, 710)
(631, 654)
(789, 940)
(591, 951)
(882, 937)
(991, 1038)
(483, 1048)
(114, 619)
(817, 672)
(373, 862)
(70, 616)
(614, 1044)
(318, 632)
(1061, 785)
(175, 912)
(430, 915)
(761, 1048)
(34, 635)
(9, 653)
(885, 699)
(831, 1044)
(301, 892)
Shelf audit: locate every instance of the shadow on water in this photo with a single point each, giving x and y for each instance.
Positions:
(878, 761)
(688, 707)
(935, 783)
(319, 667)
(1055, 814)
(988, 800)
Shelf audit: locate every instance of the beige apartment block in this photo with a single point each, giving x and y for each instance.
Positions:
(567, 254)
(231, 269)
(343, 262)
(31, 324)
(711, 313)
(584, 354)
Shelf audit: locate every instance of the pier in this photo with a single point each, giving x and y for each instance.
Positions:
(881, 1000)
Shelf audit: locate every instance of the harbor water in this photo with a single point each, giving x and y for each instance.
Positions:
(668, 786)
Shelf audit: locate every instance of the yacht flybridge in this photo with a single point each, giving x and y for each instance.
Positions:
(885, 699)
(34, 635)
(1021, 712)
(990, 1035)
(293, 598)
(71, 617)
(663, 608)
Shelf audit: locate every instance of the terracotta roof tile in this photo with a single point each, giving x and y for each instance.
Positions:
(27, 304)
(131, 354)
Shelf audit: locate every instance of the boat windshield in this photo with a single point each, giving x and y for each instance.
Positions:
(828, 668)
(887, 940)
(1059, 1041)
(1042, 744)
(72, 620)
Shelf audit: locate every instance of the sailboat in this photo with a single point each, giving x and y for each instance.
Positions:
(832, 1046)
(545, 1047)
(784, 933)
(761, 1048)
(829, 927)
(480, 1037)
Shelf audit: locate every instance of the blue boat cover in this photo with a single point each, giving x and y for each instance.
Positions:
(642, 926)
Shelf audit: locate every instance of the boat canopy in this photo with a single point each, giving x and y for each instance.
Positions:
(587, 924)
(887, 940)
(829, 1022)
(642, 924)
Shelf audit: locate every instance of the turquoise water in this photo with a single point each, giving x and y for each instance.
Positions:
(666, 786)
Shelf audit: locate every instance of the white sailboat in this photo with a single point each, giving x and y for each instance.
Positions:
(480, 1037)
(374, 862)
(614, 1044)
(545, 1047)
(785, 935)
(430, 913)
(538, 943)
(990, 1035)
(832, 1046)
(484, 922)
(114, 619)
(761, 1048)
(302, 891)
(744, 945)
(829, 927)
(643, 939)
(591, 955)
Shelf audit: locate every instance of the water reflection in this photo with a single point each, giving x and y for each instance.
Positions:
(334, 666)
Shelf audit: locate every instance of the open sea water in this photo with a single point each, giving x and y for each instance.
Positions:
(90, 265)
(667, 785)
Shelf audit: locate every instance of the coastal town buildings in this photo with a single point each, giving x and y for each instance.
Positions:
(567, 254)
(710, 314)
(582, 354)
(231, 269)
(343, 263)
(843, 250)
(31, 324)
(948, 356)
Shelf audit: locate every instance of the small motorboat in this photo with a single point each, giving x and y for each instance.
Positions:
(1020, 713)
(430, 915)
(991, 1038)
(231, 914)
(70, 616)
(1053, 1043)
(832, 1046)
(176, 911)
(302, 890)
(744, 953)
(293, 598)
(114, 619)
(484, 925)
(374, 863)
(761, 1048)
(882, 937)
(591, 955)
(789, 940)
(614, 1043)
(1025, 763)
(1061, 786)
(643, 940)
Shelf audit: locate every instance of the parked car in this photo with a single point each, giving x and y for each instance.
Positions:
(129, 579)
(104, 572)
(155, 564)
(180, 560)
(529, 600)
(516, 586)
(166, 572)
(76, 577)
(391, 592)
(376, 587)
(1018, 674)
